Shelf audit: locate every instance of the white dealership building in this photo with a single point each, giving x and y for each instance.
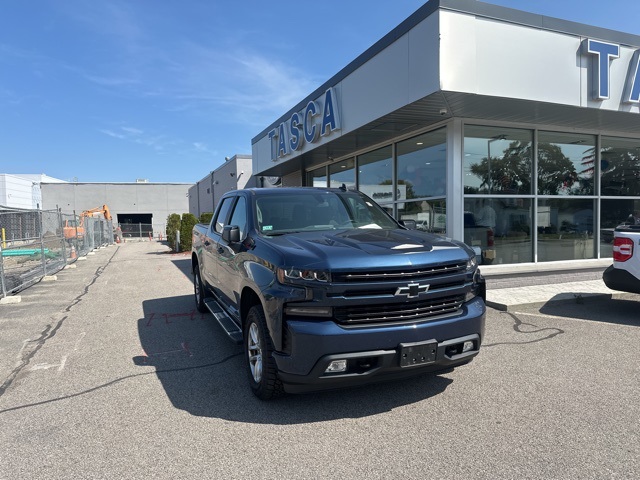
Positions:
(515, 132)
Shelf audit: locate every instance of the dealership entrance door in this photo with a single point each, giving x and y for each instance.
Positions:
(136, 225)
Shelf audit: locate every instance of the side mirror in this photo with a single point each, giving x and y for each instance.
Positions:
(231, 233)
(410, 224)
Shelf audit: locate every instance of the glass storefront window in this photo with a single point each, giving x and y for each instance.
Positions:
(565, 163)
(614, 212)
(342, 173)
(430, 216)
(497, 160)
(375, 173)
(565, 229)
(620, 166)
(422, 165)
(499, 229)
(317, 178)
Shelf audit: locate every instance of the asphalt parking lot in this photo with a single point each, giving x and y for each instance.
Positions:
(109, 372)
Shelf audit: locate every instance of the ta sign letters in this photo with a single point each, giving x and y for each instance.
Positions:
(306, 126)
(603, 54)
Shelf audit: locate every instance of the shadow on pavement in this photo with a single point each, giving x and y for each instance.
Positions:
(184, 265)
(203, 373)
(620, 309)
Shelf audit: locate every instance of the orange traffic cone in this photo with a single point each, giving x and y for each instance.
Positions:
(73, 252)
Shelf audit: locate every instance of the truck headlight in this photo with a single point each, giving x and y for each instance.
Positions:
(478, 287)
(298, 275)
(471, 263)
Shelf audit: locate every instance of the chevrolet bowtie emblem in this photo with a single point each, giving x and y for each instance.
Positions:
(412, 290)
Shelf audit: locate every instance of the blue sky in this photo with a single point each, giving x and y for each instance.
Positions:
(115, 90)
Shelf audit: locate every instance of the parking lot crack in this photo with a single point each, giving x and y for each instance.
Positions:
(122, 379)
(32, 347)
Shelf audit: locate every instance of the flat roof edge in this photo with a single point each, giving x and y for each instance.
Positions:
(473, 7)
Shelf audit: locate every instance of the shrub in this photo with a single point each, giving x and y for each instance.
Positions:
(206, 217)
(173, 225)
(186, 228)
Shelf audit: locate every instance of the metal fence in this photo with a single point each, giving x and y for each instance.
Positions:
(143, 231)
(37, 243)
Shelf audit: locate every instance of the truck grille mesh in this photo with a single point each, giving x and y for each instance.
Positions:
(399, 312)
(404, 274)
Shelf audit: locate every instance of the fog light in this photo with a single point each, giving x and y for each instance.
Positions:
(466, 346)
(337, 366)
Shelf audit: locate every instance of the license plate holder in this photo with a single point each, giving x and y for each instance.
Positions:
(418, 353)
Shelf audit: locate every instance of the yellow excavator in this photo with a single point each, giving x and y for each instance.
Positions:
(73, 228)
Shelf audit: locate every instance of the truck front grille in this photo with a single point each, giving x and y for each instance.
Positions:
(398, 312)
(404, 274)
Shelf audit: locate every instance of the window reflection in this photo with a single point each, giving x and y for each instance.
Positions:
(614, 212)
(375, 176)
(620, 166)
(497, 160)
(342, 173)
(565, 164)
(422, 164)
(499, 229)
(565, 229)
(430, 216)
(317, 178)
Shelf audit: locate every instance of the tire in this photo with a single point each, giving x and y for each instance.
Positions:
(261, 366)
(199, 290)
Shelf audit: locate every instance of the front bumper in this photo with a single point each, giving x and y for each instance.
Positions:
(374, 353)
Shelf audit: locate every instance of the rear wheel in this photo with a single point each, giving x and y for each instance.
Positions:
(261, 367)
(199, 290)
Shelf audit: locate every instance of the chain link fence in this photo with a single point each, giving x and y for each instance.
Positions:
(37, 243)
(140, 231)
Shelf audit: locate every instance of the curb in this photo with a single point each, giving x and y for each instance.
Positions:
(563, 298)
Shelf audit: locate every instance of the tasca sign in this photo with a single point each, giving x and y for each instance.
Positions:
(603, 54)
(318, 119)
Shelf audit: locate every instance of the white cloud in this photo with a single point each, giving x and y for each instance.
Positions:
(135, 135)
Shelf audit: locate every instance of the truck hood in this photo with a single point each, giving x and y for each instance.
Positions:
(345, 249)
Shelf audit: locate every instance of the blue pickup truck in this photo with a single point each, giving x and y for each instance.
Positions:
(325, 289)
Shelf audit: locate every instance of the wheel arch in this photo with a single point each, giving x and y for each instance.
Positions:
(248, 299)
(272, 312)
(194, 262)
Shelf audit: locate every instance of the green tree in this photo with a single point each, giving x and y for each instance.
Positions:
(173, 226)
(186, 228)
(620, 171)
(511, 173)
(555, 170)
(206, 218)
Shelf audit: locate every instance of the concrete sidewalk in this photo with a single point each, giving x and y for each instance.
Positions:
(536, 286)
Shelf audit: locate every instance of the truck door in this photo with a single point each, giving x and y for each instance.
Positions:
(209, 253)
(229, 259)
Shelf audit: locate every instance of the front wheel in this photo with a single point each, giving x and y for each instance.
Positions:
(261, 367)
(199, 290)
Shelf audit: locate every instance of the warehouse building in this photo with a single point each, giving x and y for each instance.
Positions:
(234, 173)
(140, 208)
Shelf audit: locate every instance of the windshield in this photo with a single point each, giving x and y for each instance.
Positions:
(319, 210)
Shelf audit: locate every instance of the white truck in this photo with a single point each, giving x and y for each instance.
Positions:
(624, 274)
